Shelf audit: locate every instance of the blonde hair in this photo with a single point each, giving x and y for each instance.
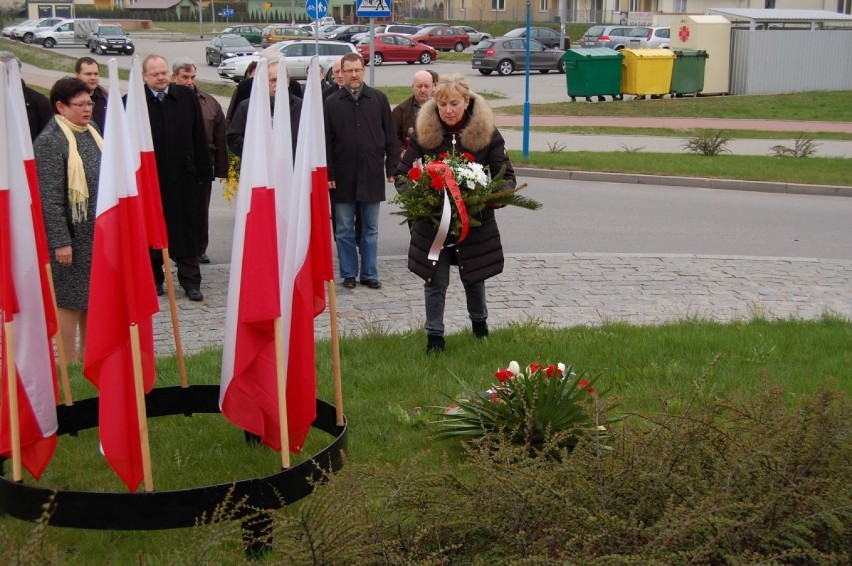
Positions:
(450, 85)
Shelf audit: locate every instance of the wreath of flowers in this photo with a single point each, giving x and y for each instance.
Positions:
(470, 186)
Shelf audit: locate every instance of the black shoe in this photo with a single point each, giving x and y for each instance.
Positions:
(435, 344)
(160, 291)
(372, 283)
(194, 295)
(480, 329)
(203, 258)
(349, 282)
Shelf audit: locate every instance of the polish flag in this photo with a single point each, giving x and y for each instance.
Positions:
(121, 294)
(20, 141)
(303, 216)
(22, 297)
(248, 395)
(147, 182)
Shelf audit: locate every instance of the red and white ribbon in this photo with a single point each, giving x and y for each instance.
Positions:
(441, 172)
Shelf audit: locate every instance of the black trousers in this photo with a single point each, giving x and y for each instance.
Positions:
(206, 188)
(189, 274)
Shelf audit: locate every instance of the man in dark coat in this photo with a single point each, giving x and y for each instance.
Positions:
(362, 152)
(183, 73)
(183, 161)
(405, 113)
(39, 111)
(89, 71)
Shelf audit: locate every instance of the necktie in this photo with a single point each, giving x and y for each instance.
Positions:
(161, 96)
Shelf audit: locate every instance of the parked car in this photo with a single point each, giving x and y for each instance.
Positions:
(7, 30)
(282, 32)
(72, 32)
(443, 38)
(345, 33)
(614, 37)
(26, 33)
(296, 53)
(110, 37)
(545, 36)
(475, 35)
(405, 29)
(392, 47)
(251, 33)
(650, 37)
(327, 29)
(227, 46)
(356, 38)
(508, 54)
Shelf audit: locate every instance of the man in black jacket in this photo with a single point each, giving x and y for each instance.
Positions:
(362, 153)
(38, 106)
(183, 161)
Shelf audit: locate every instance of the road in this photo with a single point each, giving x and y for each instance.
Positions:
(591, 217)
(543, 88)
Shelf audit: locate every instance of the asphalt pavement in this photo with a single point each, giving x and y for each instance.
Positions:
(568, 289)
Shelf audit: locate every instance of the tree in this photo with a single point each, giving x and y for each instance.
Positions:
(9, 8)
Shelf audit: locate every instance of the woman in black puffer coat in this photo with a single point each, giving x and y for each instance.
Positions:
(456, 120)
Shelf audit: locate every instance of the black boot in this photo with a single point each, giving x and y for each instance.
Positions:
(480, 329)
(435, 344)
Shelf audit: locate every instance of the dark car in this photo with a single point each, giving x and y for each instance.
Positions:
(227, 46)
(345, 33)
(251, 33)
(545, 36)
(508, 54)
(110, 37)
(392, 47)
(443, 38)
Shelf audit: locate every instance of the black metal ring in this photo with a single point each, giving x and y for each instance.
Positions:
(178, 508)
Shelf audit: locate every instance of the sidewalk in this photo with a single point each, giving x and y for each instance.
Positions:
(560, 290)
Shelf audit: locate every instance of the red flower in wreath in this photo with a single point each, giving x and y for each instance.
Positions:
(443, 156)
(468, 156)
(414, 174)
(503, 375)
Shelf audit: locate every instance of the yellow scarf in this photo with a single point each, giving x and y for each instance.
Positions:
(78, 189)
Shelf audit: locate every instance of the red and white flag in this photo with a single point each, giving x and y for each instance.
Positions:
(303, 213)
(22, 294)
(147, 181)
(248, 395)
(121, 293)
(19, 126)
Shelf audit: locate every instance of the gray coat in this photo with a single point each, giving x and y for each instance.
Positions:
(362, 150)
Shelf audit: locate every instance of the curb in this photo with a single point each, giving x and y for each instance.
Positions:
(693, 182)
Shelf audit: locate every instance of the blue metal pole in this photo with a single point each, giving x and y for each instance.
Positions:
(527, 89)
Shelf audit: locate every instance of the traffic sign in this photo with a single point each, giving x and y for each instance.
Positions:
(373, 8)
(316, 9)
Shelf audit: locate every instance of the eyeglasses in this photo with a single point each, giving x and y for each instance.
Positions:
(82, 105)
(353, 71)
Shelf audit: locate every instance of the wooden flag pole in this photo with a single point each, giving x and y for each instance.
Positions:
(12, 386)
(167, 268)
(282, 394)
(335, 353)
(60, 346)
(141, 413)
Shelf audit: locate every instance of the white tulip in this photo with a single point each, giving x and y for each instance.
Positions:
(514, 367)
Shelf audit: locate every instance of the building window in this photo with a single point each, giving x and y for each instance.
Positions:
(769, 4)
(542, 5)
(844, 6)
(498, 5)
(680, 6)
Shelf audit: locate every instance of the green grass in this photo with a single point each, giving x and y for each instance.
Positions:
(814, 170)
(688, 132)
(391, 388)
(819, 106)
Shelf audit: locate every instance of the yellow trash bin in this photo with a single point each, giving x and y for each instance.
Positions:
(646, 71)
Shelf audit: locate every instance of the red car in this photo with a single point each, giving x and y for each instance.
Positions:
(392, 47)
(443, 38)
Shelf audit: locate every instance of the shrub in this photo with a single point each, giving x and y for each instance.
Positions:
(803, 146)
(708, 144)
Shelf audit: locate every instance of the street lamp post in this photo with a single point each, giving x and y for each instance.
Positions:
(526, 147)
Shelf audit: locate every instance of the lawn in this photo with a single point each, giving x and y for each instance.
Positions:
(392, 391)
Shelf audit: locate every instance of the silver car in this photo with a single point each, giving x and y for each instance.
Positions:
(650, 37)
(475, 35)
(296, 53)
(508, 54)
(26, 33)
(614, 37)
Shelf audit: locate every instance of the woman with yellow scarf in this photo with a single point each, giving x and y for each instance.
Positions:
(68, 157)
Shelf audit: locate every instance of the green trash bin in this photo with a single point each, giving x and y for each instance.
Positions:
(593, 72)
(688, 71)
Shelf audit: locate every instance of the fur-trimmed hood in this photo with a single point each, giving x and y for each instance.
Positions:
(476, 134)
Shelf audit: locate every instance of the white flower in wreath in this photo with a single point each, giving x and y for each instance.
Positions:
(472, 175)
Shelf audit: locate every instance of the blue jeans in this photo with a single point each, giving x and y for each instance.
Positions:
(344, 233)
(435, 294)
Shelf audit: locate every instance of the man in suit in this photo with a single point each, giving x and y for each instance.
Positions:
(39, 112)
(183, 162)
